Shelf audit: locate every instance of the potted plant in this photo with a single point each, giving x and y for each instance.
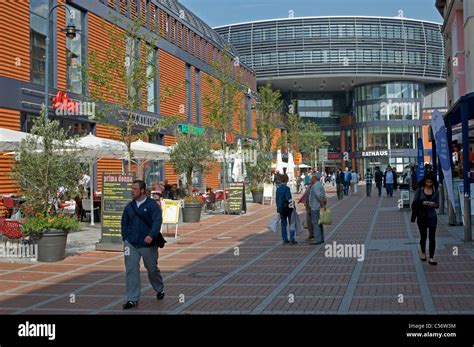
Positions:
(258, 173)
(50, 232)
(192, 153)
(192, 209)
(44, 170)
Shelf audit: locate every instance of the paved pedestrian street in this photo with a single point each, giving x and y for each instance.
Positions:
(234, 265)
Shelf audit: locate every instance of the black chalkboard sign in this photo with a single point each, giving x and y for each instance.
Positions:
(116, 194)
(236, 200)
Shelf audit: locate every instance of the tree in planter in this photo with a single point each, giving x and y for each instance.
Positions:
(311, 139)
(191, 153)
(42, 167)
(118, 77)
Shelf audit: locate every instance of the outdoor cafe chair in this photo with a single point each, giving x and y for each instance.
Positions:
(10, 229)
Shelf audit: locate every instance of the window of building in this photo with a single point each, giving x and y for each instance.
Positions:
(131, 58)
(39, 10)
(151, 80)
(75, 54)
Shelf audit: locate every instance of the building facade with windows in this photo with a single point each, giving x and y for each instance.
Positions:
(371, 83)
(184, 51)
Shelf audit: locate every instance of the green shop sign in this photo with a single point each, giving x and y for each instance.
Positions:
(190, 129)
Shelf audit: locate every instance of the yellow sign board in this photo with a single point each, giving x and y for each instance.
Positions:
(171, 211)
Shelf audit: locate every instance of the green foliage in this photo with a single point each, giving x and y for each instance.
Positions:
(36, 225)
(117, 77)
(192, 153)
(226, 95)
(43, 166)
(311, 138)
(269, 110)
(258, 172)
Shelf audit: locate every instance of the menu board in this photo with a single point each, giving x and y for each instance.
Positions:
(171, 211)
(116, 194)
(236, 200)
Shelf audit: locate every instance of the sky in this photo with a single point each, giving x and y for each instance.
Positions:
(222, 12)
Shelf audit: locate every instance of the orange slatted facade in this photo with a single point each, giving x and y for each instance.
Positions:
(173, 75)
(169, 173)
(110, 166)
(61, 45)
(206, 90)
(9, 119)
(212, 178)
(99, 39)
(162, 22)
(15, 64)
(14, 39)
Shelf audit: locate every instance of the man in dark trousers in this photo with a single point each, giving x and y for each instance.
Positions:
(378, 179)
(141, 225)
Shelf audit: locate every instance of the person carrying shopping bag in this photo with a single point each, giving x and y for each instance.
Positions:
(284, 203)
(317, 199)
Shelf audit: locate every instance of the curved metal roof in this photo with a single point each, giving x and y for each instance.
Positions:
(196, 23)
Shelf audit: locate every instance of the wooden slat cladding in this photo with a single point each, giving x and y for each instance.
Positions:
(205, 90)
(172, 30)
(212, 177)
(15, 39)
(179, 27)
(152, 16)
(162, 22)
(169, 140)
(108, 166)
(172, 75)
(9, 119)
(99, 41)
(123, 7)
(143, 11)
(61, 47)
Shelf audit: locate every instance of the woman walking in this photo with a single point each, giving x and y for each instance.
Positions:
(424, 207)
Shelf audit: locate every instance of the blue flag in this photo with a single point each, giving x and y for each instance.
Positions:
(442, 147)
(420, 172)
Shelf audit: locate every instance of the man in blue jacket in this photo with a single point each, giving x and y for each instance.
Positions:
(141, 225)
(284, 203)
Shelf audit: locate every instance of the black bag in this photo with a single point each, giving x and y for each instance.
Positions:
(417, 208)
(160, 240)
(286, 209)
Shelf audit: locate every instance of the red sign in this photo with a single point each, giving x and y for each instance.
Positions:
(61, 102)
(229, 138)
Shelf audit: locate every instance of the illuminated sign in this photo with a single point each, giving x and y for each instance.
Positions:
(68, 107)
(375, 154)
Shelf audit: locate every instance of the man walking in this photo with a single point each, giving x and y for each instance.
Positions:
(390, 179)
(317, 199)
(141, 224)
(340, 183)
(378, 180)
(347, 181)
(368, 182)
(307, 206)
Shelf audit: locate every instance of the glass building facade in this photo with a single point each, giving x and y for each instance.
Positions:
(364, 80)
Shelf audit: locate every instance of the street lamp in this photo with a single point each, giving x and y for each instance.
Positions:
(70, 31)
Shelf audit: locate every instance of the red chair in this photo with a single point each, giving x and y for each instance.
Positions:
(9, 203)
(11, 229)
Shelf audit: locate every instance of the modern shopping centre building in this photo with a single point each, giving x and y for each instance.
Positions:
(371, 83)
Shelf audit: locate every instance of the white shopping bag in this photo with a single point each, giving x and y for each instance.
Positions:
(296, 223)
(273, 224)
